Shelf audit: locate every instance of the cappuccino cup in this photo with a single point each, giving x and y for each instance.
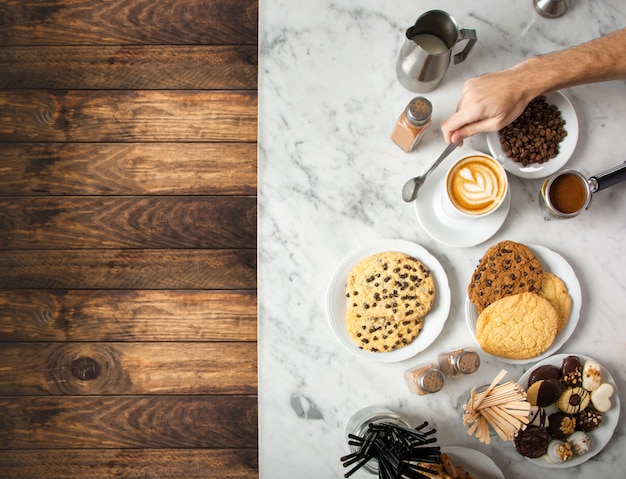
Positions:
(475, 187)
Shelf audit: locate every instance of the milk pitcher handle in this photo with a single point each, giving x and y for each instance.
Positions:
(468, 34)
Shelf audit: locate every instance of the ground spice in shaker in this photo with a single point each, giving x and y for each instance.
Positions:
(412, 123)
(424, 379)
(459, 362)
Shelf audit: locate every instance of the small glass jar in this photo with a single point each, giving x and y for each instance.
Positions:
(359, 423)
(459, 362)
(425, 379)
(412, 123)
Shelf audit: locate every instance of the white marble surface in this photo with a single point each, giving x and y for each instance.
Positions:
(330, 180)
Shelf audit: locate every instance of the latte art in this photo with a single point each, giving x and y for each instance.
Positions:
(476, 185)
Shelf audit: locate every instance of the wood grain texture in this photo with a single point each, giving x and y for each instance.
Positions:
(128, 169)
(128, 269)
(128, 275)
(226, 463)
(127, 222)
(128, 368)
(130, 67)
(127, 116)
(121, 315)
(123, 22)
(104, 422)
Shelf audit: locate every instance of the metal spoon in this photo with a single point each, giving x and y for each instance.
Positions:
(411, 188)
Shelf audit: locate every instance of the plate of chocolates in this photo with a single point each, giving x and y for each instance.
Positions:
(574, 411)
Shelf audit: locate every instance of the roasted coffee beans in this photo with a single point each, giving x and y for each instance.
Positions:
(535, 135)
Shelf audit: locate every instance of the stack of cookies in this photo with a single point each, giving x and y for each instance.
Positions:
(389, 293)
(521, 308)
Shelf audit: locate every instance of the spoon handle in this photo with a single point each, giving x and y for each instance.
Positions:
(443, 156)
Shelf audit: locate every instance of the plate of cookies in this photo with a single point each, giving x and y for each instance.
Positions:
(388, 301)
(575, 409)
(523, 302)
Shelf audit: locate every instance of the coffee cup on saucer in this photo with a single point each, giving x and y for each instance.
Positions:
(476, 186)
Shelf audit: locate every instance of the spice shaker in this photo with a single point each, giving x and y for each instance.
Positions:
(412, 123)
(424, 379)
(459, 362)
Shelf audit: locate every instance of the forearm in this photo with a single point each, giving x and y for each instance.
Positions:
(602, 59)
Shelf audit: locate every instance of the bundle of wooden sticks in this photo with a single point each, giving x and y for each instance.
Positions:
(501, 407)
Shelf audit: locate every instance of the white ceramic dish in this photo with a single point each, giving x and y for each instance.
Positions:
(474, 462)
(458, 233)
(337, 303)
(601, 436)
(566, 147)
(555, 264)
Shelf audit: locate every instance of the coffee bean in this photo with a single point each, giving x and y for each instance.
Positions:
(535, 135)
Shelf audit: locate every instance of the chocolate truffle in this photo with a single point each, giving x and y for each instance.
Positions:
(546, 371)
(572, 371)
(561, 425)
(573, 400)
(532, 442)
(544, 392)
(588, 419)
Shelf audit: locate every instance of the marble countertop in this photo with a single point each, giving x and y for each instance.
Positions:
(330, 180)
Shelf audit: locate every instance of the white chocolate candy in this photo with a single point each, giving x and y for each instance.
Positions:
(558, 452)
(580, 442)
(592, 375)
(601, 397)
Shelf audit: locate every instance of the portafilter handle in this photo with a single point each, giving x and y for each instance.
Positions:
(608, 178)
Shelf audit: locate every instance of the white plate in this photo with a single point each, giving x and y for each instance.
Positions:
(566, 147)
(474, 462)
(337, 303)
(458, 233)
(601, 436)
(555, 264)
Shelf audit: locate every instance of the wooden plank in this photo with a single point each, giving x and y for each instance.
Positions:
(71, 22)
(111, 422)
(128, 269)
(127, 116)
(128, 368)
(127, 222)
(129, 463)
(128, 169)
(129, 67)
(148, 315)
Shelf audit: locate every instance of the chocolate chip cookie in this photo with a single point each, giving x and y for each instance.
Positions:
(506, 268)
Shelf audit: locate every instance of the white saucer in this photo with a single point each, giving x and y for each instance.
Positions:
(566, 148)
(440, 226)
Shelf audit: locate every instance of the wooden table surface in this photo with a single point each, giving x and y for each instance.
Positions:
(128, 295)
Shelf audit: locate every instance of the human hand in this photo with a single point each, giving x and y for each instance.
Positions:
(488, 103)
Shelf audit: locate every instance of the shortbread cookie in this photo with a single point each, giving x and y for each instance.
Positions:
(521, 326)
(388, 294)
(555, 291)
(507, 268)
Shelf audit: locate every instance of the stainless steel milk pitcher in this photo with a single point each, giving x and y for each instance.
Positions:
(425, 55)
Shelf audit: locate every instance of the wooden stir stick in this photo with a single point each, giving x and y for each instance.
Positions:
(501, 407)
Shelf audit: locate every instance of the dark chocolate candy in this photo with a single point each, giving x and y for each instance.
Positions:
(588, 419)
(572, 371)
(544, 392)
(532, 442)
(546, 371)
(561, 425)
